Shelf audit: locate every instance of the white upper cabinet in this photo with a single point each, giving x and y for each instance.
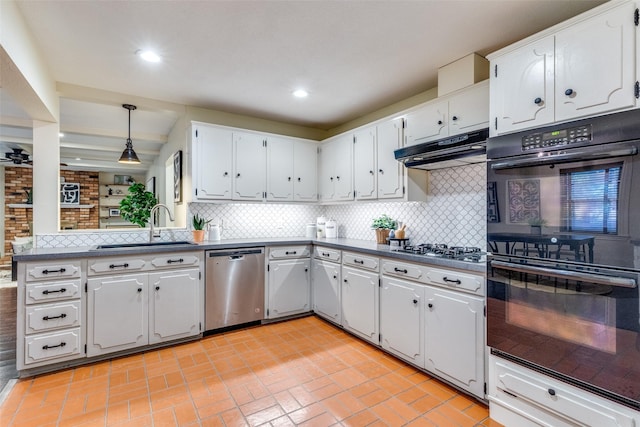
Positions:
(305, 171)
(463, 111)
(583, 67)
(364, 164)
(212, 162)
(390, 172)
(249, 166)
(522, 87)
(292, 169)
(336, 169)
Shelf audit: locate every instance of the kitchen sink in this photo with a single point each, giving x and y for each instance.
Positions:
(144, 245)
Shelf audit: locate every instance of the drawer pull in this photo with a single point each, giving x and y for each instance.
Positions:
(125, 265)
(358, 261)
(398, 270)
(552, 392)
(457, 281)
(61, 270)
(47, 292)
(62, 316)
(291, 253)
(171, 261)
(326, 254)
(47, 347)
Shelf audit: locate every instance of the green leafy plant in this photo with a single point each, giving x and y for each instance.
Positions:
(384, 221)
(199, 222)
(537, 222)
(29, 192)
(136, 206)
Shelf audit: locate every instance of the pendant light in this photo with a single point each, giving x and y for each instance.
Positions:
(128, 155)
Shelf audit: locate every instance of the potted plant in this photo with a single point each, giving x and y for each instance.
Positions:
(536, 225)
(199, 223)
(383, 225)
(136, 206)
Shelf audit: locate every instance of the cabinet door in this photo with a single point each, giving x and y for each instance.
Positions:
(174, 305)
(469, 109)
(279, 169)
(343, 161)
(305, 171)
(427, 123)
(326, 290)
(213, 159)
(454, 338)
(390, 171)
(127, 326)
(402, 319)
(360, 303)
(289, 288)
(522, 88)
(595, 65)
(249, 166)
(326, 178)
(364, 164)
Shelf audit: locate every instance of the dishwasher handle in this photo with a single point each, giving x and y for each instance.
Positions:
(234, 253)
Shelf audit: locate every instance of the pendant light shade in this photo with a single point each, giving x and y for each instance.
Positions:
(129, 155)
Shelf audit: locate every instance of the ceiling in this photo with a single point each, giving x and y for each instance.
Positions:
(247, 57)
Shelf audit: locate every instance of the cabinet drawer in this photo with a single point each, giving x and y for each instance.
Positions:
(576, 407)
(289, 252)
(115, 265)
(54, 345)
(328, 254)
(462, 281)
(401, 269)
(45, 317)
(361, 261)
(175, 260)
(53, 270)
(52, 291)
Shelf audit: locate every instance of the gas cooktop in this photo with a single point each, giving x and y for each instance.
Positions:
(439, 250)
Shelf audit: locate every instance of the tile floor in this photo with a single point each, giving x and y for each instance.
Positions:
(301, 372)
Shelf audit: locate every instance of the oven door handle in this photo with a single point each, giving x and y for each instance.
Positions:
(592, 153)
(600, 279)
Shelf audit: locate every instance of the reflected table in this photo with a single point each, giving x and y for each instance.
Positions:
(542, 244)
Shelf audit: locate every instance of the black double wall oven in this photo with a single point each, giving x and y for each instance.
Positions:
(563, 230)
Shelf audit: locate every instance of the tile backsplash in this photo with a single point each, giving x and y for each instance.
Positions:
(455, 213)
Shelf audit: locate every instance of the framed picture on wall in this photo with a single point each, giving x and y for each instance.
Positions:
(177, 177)
(70, 193)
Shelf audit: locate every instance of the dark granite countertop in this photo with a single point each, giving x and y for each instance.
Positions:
(362, 246)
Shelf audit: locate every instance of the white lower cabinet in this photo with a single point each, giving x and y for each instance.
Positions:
(326, 290)
(454, 338)
(288, 282)
(360, 303)
(174, 305)
(118, 313)
(402, 319)
(521, 397)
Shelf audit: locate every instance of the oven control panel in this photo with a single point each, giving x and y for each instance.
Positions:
(558, 137)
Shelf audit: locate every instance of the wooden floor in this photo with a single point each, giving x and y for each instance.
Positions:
(7, 334)
(301, 372)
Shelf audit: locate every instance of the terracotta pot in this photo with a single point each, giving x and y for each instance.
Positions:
(198, 236)
(381, 236)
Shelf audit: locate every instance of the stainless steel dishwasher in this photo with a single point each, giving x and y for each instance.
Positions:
(234, 292)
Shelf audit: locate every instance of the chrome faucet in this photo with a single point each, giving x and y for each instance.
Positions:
(151, 215)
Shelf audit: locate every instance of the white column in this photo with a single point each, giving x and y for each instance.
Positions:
(46, 177)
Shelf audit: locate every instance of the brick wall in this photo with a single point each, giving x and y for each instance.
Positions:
(17, 220)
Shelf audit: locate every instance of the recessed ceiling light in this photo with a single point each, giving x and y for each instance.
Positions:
(148, 55)
(300, 93)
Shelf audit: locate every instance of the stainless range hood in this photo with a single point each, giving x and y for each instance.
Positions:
(449, 152)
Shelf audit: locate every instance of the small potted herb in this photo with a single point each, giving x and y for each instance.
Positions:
(199, 223)
(383, 225)
(536, 225)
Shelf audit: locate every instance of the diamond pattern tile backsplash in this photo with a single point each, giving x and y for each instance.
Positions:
(455, 214)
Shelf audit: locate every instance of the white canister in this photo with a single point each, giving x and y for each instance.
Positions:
(311, 231)
(331, 229)
(214, 232)
(320, 223)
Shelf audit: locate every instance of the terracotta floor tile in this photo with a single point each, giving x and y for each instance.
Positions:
(299, 372)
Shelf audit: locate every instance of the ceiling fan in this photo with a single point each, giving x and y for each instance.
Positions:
(17, 157)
